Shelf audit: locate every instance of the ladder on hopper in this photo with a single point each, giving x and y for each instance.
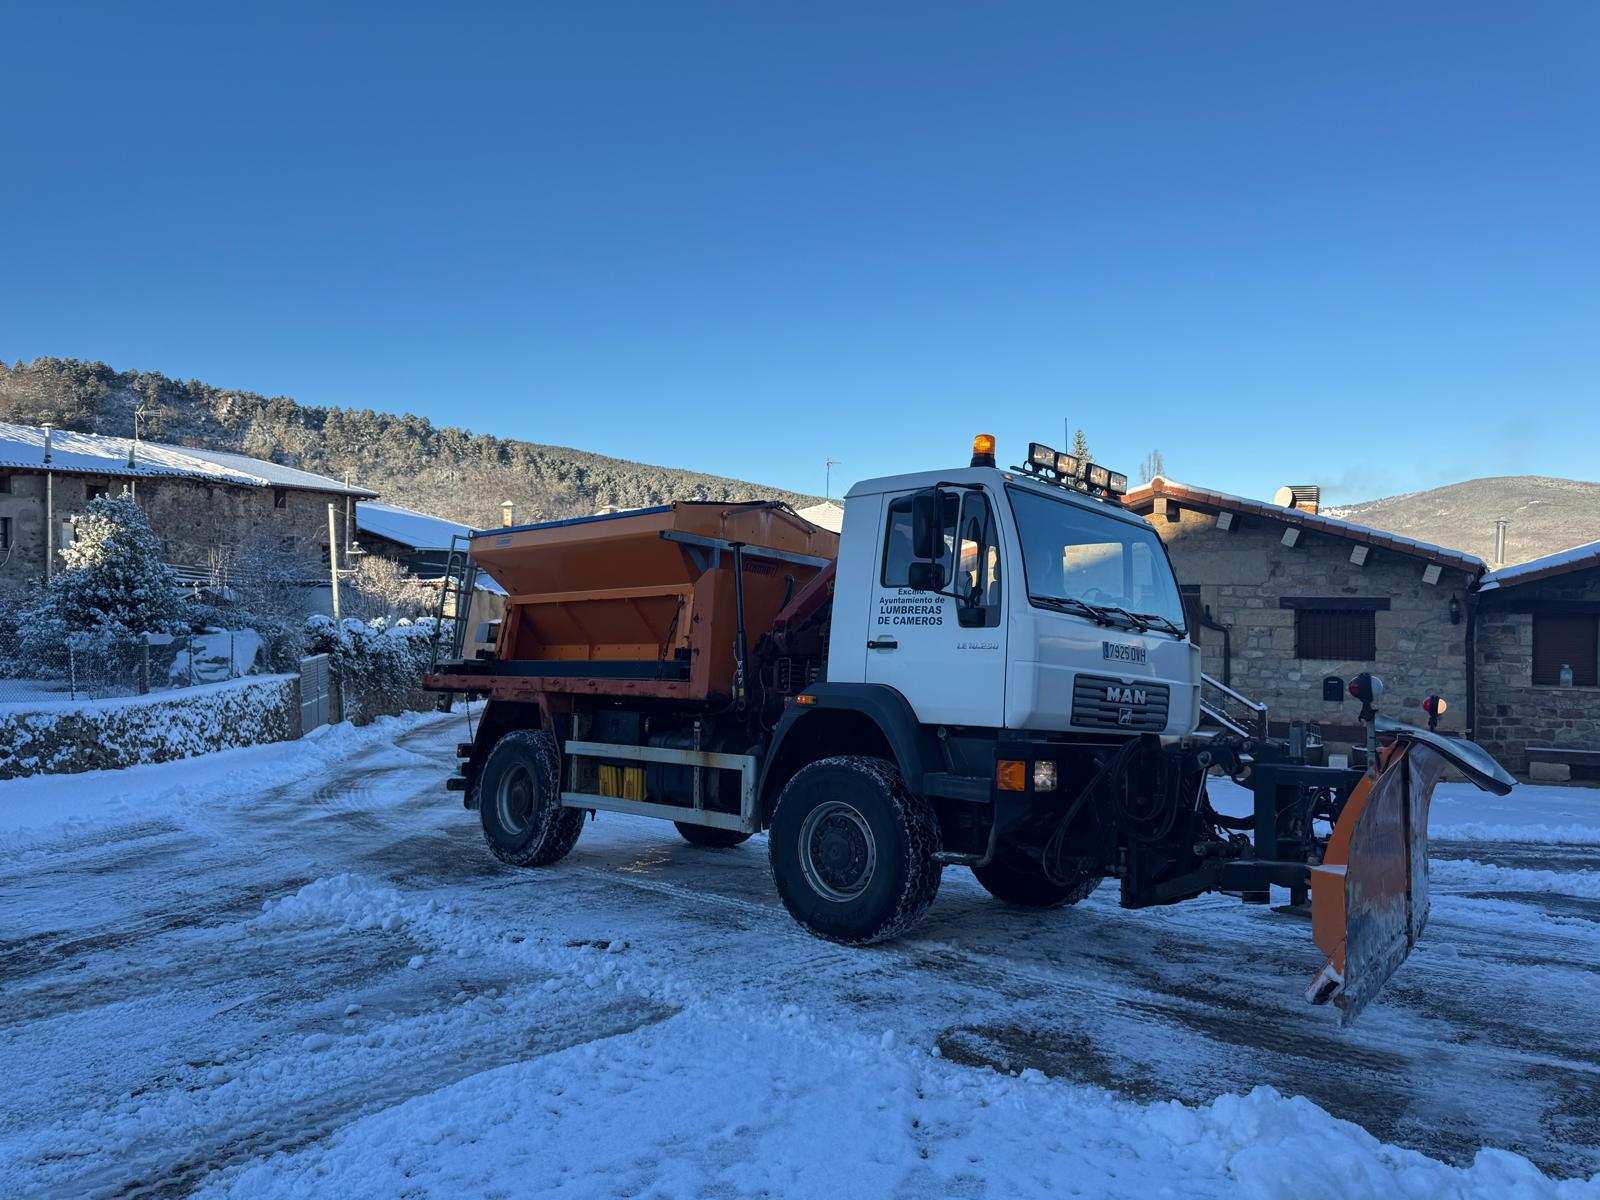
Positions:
(1232, 710)
(455, 603)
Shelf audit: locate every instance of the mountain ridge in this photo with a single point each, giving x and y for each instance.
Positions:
(1545, 514)
(444, 470)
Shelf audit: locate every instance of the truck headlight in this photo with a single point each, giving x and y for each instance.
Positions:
(1044, 776)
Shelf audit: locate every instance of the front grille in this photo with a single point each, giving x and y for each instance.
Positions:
(1101, 703)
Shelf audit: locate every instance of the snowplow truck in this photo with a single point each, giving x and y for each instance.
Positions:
(988, 668)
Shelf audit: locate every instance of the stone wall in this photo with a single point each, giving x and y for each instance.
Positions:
(190, 516)
(1513, 714)
(24, 503)
(1244, 573)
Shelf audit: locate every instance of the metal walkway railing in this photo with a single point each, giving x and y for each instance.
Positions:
(1232, 710)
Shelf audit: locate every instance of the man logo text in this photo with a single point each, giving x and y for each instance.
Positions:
(1126, 695)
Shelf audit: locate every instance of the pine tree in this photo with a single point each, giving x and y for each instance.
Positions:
(112, 585)
(1080, 447)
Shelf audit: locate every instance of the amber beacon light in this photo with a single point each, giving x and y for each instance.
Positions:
(983, 450)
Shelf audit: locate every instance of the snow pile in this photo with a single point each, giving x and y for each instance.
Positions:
(75, 736)
(343, 902)
(720, 1101)
(1493, 831)
(218, 654)
(1468, 872)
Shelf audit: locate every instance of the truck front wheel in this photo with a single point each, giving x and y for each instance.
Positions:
(519, 801)
(1018, 879)
(852, 850)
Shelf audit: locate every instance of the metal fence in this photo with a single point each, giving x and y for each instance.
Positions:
(99, 668)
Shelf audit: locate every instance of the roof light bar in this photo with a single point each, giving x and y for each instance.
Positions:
(1073, 471)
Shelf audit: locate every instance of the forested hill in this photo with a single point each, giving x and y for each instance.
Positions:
(446, 471)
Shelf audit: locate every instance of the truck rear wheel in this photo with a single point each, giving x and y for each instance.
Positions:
(1019, 879)
(519, 801)
(704, 835)
(852, 850)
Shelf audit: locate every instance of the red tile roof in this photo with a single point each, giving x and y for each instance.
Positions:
(1142, 500)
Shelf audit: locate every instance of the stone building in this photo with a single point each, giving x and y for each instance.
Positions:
(1283, 601)
(1537, 685)
(199, 502)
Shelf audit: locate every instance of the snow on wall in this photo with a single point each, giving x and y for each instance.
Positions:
(93, 735)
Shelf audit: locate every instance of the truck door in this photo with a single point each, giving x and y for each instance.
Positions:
(945, 650)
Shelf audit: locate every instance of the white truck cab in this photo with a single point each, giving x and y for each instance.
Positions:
(1048, 607)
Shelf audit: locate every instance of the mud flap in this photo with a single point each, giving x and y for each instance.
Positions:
(1369, 898)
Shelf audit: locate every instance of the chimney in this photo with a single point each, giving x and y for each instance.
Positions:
(508, 514)
(1307, 497)
(1500, 541)
(47, 432)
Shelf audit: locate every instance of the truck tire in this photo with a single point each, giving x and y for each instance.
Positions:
(1018, 879)
(518, 801)
(704, 835)
(852, 850)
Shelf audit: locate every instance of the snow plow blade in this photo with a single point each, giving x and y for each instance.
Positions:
(1369, 897)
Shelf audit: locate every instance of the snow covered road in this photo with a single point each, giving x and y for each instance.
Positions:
(296, 971)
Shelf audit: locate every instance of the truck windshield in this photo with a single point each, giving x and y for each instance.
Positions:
(1071, 553)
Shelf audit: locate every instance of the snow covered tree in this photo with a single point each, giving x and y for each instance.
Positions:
(384, 589)
(113, 583)
(1151, 467)
(1080, 446)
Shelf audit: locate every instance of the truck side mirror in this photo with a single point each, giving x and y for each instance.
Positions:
(927, 527)
(925, 576)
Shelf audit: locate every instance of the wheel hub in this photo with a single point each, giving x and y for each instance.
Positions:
(514, 799)
(838, 854)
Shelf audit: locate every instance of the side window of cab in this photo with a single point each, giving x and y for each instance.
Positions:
(970, 559)
(897, 544)
(977, 552)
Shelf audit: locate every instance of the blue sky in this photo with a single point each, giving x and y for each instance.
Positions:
(1351, 244)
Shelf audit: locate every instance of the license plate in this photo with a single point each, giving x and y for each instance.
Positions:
(1122, 652)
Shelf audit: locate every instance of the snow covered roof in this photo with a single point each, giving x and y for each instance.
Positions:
(71, 452)
(1144, 497)
(1574, 558)
(415, 530)
(407, 526)
(827, 514)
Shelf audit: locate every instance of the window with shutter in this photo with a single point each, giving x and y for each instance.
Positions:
(1336, 634)
(1566, 639)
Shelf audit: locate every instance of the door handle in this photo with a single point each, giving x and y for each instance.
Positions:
(883, 644)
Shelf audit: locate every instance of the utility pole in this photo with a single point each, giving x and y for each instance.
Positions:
(827, 485)
(49, 511)
(333, 558)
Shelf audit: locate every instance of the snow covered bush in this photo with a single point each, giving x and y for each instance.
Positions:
(382, 588)
(263, 588)
(16, 598)
(107, 734)
(113, 589)
(379, 667)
